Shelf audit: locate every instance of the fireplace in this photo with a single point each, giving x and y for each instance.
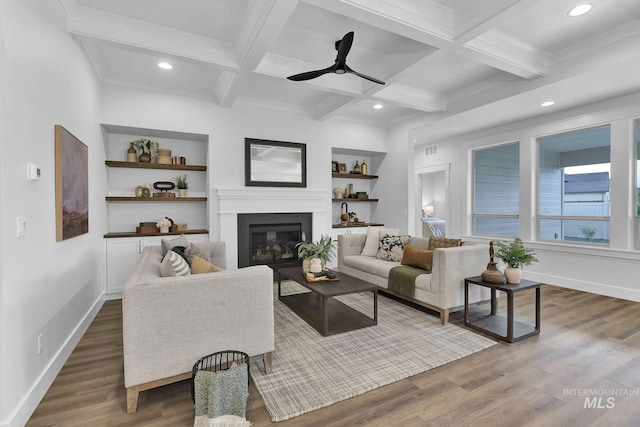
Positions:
(271, 238)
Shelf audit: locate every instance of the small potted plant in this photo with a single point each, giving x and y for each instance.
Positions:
(164, 225)
(321, 251)
(514, 255)
(182, 185)
(149, 149)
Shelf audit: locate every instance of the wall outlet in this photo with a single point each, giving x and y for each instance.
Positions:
(40, 342)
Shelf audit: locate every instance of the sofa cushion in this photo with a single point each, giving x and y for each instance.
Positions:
(443, 242)
(168, 244)
(370, 265)
(374, 234)
(392, 247)
(416, 257)
(174, 265)
(200, 265)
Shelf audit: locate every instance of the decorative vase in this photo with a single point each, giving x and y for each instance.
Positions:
(316, 265)
(513, 275)
(306, 265)
(182, 192)
(145, 158)
(131, 154)
(363, 168)
(164, 229)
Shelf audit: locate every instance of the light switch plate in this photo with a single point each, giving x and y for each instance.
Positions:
(21, 226)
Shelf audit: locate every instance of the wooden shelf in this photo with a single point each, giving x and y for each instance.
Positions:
(349, 200)
(353, 176)
(134, 234)
(140, 165)
(357, 224)
(154, 199)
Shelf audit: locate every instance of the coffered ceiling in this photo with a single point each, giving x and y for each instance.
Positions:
(474, 62)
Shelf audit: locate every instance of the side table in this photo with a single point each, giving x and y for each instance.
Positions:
(497, 326)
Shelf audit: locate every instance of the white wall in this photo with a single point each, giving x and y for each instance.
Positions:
(45, 287)
(227, 129)
(609, 270)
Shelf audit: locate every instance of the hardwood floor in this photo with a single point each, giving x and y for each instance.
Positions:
(588, 343)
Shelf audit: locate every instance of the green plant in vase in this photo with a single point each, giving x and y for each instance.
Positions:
(149, 149)
(182, 185)
(514, 255)
(322, 250)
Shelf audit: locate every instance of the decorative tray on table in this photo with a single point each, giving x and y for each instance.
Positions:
(324, 276)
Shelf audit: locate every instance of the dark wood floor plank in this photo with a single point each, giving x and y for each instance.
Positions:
(587, 342)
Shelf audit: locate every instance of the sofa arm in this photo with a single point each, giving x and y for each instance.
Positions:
(350, 244)
(451, 266)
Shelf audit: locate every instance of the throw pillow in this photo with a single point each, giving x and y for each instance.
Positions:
(191, 251)
(200, 265)
(392, 247)
(174, 265)
(167, 244)
(374, 234)
(443, 242)
(417, 257)
(180, 251)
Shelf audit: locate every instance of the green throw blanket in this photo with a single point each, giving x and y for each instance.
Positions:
(402, 279)
(222, 392)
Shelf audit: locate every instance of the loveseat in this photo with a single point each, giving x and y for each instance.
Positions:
(171, 322)
(441, 289)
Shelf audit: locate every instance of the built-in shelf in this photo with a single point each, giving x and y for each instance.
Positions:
(357, 224)
(353, 176)
(141, 165)
(354, 199)
(134, 234)
(154, 199)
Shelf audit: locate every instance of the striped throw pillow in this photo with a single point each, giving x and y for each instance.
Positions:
(174, 265)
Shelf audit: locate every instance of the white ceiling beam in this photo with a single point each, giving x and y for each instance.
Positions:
(413, 25)
(262, 22)
(132, 33)
(413, 98)
(474, 18)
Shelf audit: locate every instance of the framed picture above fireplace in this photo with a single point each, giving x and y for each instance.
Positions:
(274, 163)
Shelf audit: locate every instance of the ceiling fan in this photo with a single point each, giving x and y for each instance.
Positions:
(340, 67)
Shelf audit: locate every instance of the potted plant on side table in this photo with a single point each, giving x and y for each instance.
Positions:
(314, 255)
(515, 255)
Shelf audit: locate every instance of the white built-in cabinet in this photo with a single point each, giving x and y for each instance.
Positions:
(125, 211)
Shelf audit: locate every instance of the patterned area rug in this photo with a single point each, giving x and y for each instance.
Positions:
(311, 371)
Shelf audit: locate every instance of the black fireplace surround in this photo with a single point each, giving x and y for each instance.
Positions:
(271, 238)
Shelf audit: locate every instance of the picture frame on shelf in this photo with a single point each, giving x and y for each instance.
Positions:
(334, 167)
(342, 168)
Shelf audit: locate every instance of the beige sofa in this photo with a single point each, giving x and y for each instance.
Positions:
(171, 322)
(441, 290)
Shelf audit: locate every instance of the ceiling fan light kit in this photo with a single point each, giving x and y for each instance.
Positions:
(339, 67)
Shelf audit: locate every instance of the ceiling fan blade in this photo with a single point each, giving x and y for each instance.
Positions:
(371, 79)
(344, 46)
(311, 74)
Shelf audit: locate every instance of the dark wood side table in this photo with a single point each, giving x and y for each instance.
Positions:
(497, 326)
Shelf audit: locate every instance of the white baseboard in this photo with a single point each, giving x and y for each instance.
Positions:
(31, 400)
(585, 286)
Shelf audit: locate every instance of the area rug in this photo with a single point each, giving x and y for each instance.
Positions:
(311, 371)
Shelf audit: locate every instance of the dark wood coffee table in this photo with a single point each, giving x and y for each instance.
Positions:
(320, 309)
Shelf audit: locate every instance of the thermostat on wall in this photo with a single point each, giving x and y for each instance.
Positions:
(33, 172)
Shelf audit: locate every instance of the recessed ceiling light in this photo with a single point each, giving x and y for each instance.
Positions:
(378, 106)
(165, 65)
(580, 9)
(547, 103)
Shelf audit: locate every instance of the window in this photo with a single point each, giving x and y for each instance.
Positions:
(496, 191)
(637, 192)
(574, 186)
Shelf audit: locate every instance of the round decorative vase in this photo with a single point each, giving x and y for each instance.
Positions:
(145, 158)
(164, 229)
(306, 265)
(131, 154)
(316, 265)
(513, 275)
(183, 192)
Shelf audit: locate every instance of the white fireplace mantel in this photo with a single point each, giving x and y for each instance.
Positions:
(232, 202)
